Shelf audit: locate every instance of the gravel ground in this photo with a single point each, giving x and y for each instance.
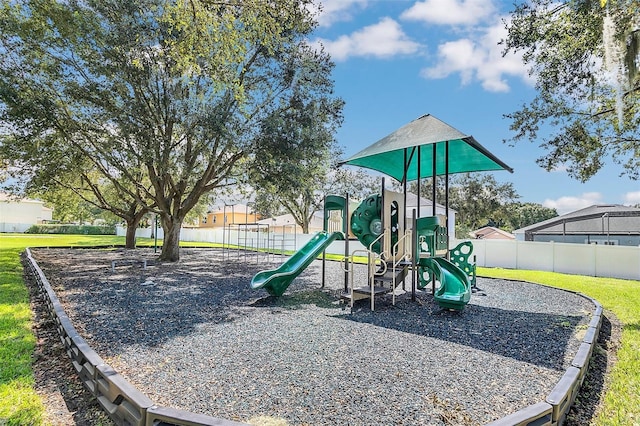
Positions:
(193, 335)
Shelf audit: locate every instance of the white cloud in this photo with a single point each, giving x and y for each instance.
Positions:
(450, 12)
(382, 40)
(479, 58)
(559, 168)
(632, 198)
(331, 11)
(569, 204)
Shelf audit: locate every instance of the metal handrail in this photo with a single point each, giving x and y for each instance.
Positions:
(372, 259)
(346, 260)
(353, 255)
(385, 234)
(383, 255)
(406, 255)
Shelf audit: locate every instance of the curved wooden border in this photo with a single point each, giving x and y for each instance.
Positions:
(128, 406)
(553, 410)
(124, 404)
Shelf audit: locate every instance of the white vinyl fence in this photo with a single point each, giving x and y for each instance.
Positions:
(581, 259)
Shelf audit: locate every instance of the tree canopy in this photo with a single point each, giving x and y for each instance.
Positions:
(480, 200)
(167, 96)
(519, 215)
(293, 154)
(584, 57)
(296, 161)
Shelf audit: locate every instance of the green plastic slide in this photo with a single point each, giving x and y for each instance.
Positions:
(454, 291)
(276, 281)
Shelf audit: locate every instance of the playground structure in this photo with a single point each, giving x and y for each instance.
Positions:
(394, 249)
(393, 246)
(391, 253)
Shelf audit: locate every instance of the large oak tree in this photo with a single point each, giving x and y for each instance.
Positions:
(175, 90)
(584, 57)
(293, 157)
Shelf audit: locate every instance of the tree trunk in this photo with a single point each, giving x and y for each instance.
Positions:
(130, 239)
(171, 242)
(133, 220)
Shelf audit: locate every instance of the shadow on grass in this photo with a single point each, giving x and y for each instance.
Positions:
(632, 326)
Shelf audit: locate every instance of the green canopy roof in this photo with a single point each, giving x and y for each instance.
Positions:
(417, 140)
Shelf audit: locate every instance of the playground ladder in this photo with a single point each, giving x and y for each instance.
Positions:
(403, 262)
(380, 271)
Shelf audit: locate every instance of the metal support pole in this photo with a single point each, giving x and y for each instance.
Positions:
(155, 236)
(414, 251)
(434, 194)
(404, 192)
(419, 178)
(325, 221)
(345, 228)
(446, 192)
(382, 221)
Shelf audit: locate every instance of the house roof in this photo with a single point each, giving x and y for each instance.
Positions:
(235, 208)
(287, 219)
(5, 197)
(491, 233)
(628, 217)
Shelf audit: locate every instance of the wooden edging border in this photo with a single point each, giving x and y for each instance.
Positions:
(125, 405)
(554, 409)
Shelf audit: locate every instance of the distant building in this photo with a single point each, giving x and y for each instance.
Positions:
(611, 224)
(233, 214)
(239, 214)
(17, 215)
(286, 224)
(426, 209)
(491, 233)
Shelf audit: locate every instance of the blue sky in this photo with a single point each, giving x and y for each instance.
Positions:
(397, 60)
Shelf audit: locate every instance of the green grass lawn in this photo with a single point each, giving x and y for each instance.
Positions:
(622, 298)
(20, 405)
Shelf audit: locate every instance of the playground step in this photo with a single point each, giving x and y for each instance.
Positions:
(388, 277)
(356, 296)
(366, 290)
(384, 280)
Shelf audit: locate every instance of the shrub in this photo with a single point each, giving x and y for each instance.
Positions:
(72, 229)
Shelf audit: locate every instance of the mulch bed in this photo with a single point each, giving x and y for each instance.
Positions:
(192, 335)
